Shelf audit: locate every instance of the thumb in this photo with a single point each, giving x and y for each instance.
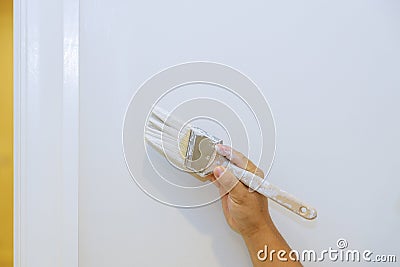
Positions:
(230, 184)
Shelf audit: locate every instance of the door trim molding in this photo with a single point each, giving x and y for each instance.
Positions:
(46, 132)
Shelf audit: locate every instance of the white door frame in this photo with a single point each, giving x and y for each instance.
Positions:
(46, 132)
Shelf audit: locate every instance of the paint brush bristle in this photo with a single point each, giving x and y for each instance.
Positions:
(168, 135)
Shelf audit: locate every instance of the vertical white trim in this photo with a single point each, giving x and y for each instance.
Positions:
(19, 37)
(46, 132)
(70, 132)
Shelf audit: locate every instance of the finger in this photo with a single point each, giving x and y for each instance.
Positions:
(238, 159)
(229, 183)
(224, 201)
(210, 177)
(214, 181)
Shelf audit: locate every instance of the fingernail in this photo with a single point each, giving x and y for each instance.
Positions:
(222, 150)
(218, 148)
(218, 171)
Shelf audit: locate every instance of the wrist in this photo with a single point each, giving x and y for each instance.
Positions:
(260, 232)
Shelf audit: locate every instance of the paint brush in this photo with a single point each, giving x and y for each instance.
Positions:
(193, 150)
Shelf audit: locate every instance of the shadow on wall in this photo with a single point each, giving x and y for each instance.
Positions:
(6, 133)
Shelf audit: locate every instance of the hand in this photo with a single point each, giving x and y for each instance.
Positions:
(245, 211)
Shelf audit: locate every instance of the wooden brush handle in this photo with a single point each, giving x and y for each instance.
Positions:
(273, 192)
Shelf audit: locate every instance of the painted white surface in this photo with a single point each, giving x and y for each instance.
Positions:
(46, 120)
(330, 72)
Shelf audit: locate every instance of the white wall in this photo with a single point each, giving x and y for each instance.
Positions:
(330, 73)
(328, 69)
